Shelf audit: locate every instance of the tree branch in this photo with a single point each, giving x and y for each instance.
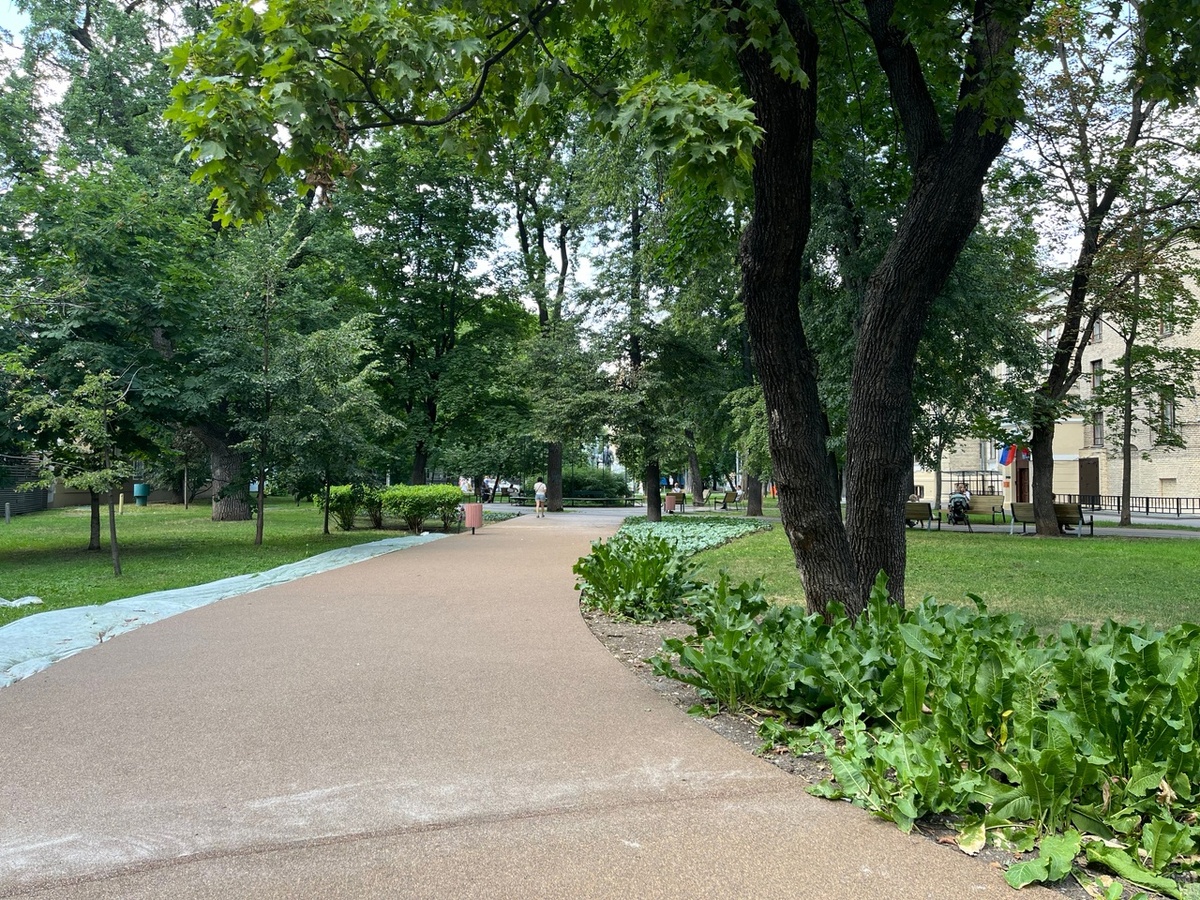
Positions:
(910, 92)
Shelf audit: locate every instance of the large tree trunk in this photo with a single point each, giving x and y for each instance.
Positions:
(943, 206)
(419, 465)
(231, 493)
(653, 491)
(695, 477)
(94, 535)
(940, 213)
(771, 255)
(554, 476)
(1041, 470)
(753, 496)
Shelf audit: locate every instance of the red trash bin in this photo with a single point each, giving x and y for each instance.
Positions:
(473, 515)
(669, 503)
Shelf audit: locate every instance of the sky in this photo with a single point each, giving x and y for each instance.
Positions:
(11, 19)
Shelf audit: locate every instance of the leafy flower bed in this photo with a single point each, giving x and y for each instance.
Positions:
(1084, 744)
(691, 534)
(644, 573)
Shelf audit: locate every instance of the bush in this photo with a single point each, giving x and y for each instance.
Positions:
(640, 578)
(414, 503)
(372, 505)
(584, 481)
(344, 501)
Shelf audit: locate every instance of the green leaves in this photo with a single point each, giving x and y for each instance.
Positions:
(643, 578)
(1080, 739)
(415, 503)
(1056, 857)
(705, 128)
(691, 534)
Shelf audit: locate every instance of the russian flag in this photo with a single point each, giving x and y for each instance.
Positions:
(1008, 454)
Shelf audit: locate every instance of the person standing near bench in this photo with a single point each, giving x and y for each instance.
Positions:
(539, 498)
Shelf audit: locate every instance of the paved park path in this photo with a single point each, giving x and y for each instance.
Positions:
(434, 723)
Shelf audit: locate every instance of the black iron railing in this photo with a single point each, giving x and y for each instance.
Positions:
(1138, 506)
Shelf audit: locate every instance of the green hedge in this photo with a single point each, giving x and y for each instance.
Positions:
(344, 503)
(414, 503)
(584, 481)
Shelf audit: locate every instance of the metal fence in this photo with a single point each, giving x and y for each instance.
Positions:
(13, 471)
(1180, 507)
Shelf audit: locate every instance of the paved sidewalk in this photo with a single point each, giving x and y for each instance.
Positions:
(434, 723)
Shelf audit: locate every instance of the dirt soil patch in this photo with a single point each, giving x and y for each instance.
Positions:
(634, 643)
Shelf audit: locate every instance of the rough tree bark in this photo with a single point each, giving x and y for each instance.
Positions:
(230, 484)
(944, 206)
(945, 202)
(771, 255)
(94, 536)
(420, 463)
(554, 476)
(753, 496)
(653, 492)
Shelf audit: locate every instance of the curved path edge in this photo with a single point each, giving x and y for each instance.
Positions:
(438, 723)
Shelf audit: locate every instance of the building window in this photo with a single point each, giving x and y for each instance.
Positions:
(1094, 337)
(1097, 373)
(1166, 328)
(1098, 430)
(1168, 408)
(1167, 487)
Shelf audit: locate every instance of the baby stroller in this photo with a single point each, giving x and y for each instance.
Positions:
(958, 510)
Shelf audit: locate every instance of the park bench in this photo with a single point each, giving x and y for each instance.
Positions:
(596, 500)
(915, 511)
(993, 504)
(1069, 515)
(590, 500)
(675, 501)
(726, 499)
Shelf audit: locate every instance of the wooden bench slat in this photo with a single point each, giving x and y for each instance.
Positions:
(915, 511)
(1066, 513)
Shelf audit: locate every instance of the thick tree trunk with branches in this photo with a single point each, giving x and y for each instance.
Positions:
(554, 476)
(230, 481)
(949, 167)
(771, 255)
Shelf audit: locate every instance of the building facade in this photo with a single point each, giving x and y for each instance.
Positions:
(1087, 460)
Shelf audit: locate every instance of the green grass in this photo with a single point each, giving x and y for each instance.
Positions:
(162, 547)
(1045, 580)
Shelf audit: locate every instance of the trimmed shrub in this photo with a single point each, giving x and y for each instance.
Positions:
(372, 505)
(585, 481)
(344, 501)
(414, 503)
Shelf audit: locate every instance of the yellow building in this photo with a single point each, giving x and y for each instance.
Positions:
(1083, 464)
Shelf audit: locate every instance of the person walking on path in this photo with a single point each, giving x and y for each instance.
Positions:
(539, 497)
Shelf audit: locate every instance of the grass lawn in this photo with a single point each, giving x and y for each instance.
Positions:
(1045, 580)
(162, 546)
